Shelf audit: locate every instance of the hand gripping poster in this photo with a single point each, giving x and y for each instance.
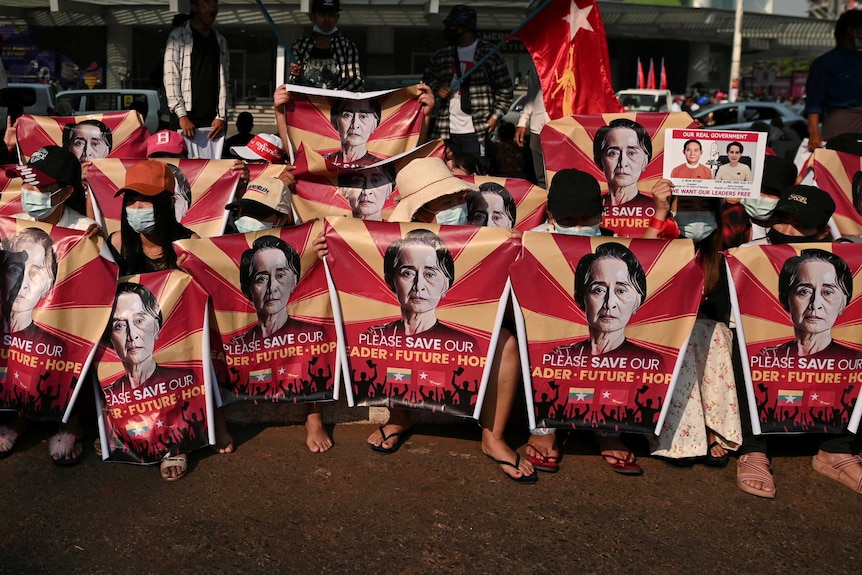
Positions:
(108, 135)
(421, 310)
(154, 384)
(366, 193)
(202, 189)
(798, 315)
(601, 325)
(56, 299)
(840, 174)
(624, 152)
(353, 129)
(276, 334)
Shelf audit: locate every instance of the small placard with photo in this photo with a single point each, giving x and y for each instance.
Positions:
(714, 163)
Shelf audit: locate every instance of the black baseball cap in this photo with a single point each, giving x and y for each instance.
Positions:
(325, 6)
(574, 193)
(48, 165)
(778, 174)
(849, 143)
(811, 207)
(461, 15)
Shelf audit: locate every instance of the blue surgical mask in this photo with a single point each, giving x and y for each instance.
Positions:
(318, 30)
(454, 216)
(696, 225)
(38, 205)
(759, 208)
(591, 231)
(248, 224)
(142, 220)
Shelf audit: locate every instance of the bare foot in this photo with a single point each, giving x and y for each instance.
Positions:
(224, 440)
(67, 444)
(543, 447)
(399, 422)
(498, 449)
(316, 437)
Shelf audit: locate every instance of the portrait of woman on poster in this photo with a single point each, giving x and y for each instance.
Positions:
(622, 150)
(815, 288)
(492, 207)
(355, 121)
(367, 191)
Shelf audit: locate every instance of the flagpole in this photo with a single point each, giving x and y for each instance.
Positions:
(455, 83)
(276, 31)
(733, 92)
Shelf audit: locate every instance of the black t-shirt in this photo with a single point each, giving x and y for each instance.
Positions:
(205, 79)
(321, 69)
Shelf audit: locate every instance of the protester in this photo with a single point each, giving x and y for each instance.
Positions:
(534, 117)
(467, 121)
(197, 94)
(244, 126)
(506, 158)
(326, 59)
(834, 85)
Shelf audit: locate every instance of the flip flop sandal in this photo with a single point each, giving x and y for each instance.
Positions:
(526, 479)
(549, 464)
(402, 436)
(181, 461)
(836, 471)
(625, 466)
(714, 461)
(61, 445)
(749, 467)
(8, 437)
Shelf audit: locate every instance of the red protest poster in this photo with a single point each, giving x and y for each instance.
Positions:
(798, 313)
(56, 298)
(150, 368)
(624, 152)
(501, 198)
(602, 323)
(840, 174)
(276, 338)
(353, 129)
(108, 135)
(202, 188)
(420, 308)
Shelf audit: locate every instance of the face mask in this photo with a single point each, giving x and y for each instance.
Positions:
(318, 30)
(776, 237)
(454, 216)
(578, 230)
(247, 224)
(696, 225)
(759, 208)
(38, 205)
(142, 220)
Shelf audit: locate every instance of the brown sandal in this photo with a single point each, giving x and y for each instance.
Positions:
(836, 471)
(750, 467)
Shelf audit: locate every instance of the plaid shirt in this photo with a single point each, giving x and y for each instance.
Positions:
(491, 90)
(178, 71)
(344, 53)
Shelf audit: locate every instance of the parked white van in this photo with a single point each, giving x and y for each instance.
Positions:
(646, 100)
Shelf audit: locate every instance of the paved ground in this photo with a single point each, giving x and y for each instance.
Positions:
(437, 506)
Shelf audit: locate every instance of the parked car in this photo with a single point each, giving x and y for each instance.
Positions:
(36, 99)
(514, 113)
(85, 102)
(741, 115)
(646, 100)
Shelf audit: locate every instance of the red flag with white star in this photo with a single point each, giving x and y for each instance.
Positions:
(568, 45)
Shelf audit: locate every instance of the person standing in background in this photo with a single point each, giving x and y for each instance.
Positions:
(326, 59)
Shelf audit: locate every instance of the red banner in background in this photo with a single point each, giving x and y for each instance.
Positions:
(56, 299)
(798, 312)
(108, 135)
(202, 190)
(150, 368)
(606, 321)
(569, 48)
(420, 306)
(276, 338)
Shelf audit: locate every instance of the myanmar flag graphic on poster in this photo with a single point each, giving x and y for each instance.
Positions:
(420, 309)
(588, 365)
(798, 311)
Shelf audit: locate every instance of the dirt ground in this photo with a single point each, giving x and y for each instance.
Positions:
(437, 506)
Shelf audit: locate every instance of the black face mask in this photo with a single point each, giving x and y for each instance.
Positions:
(776, 237)
(451, 35)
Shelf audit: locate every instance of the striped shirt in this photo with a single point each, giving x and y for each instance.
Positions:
(178, 71)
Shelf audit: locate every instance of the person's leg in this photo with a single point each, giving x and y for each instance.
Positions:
(538, 159)
(399, 422)
(835, 460)
(753, 473)
(499, 397)
(543, 450)
(11, 429)
(619, 457)
(173, 467)
(467, 143)
(224, 440)
(316, 437)
(67, 445)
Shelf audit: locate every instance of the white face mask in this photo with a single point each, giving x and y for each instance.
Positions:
(454, 216)
(696, 225)
(248, 224)
(38, 205)
(759, 208)
(578, 230)
(318, 30)
(142, 220)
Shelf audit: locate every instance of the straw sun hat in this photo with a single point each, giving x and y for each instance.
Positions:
(423, 180)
